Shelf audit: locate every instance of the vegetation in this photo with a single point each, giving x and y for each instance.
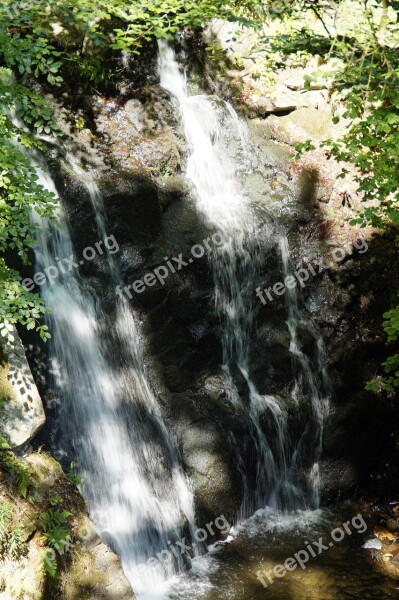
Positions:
(11, 534)
(36, 508)
(20, 476)
(20, 192)
(364, 76)
(57, 535)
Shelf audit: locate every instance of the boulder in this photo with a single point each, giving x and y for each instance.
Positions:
(98, 567)
(302, 124)
(21, 409)
(336, 477)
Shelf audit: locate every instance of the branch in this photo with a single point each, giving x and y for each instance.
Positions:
(318, 15)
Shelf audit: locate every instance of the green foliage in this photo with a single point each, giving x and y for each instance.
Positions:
(363, 73)
(148, 19)
(370, 90)
(11, 536)
(48, 565)
(54, 524)
(74, 477)
(56, 532)
(5, 515)
(55, 500)
(390, 382)
(18, 471)
(121, 24)
(24, 50)
(303, 147)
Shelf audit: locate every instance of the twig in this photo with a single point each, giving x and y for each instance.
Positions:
(316, 12)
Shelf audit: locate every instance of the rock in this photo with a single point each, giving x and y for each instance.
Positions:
(159, 153)
(385, 555)
(373, 544)
(336, 477)
(392, 525)
(136, 113)
(243, 75)
(171, 188)
(202, 424)
(135, 141)
(21, 409)
(204, 454)
(383, 534)
(97, 566)
(303, 124)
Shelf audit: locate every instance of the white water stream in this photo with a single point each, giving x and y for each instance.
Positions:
(210, 125)
(138, 495)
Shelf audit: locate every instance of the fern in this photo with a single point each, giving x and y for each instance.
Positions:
(15, 542)
(74, 477)
(55, 529)
(11, 538)
(5, 518)
(5, 514)
(54, 524)
(20, 474)
(48, 565)
(18, 471)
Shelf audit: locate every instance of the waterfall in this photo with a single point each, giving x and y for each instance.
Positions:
(311, 377)
(112, 424)
(136, 490)
(210, 126)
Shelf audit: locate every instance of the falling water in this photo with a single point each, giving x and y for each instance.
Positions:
(311, 378)
(210, 125)
(137, 493)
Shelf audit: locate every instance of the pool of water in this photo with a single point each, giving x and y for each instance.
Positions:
(340, 570)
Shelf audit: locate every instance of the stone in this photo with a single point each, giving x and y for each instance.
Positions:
(336, 475)
(303, 124)
(136, 113)
(159, 153)
(21, 410)
(113, 585)
(204, 454)
(392, 525)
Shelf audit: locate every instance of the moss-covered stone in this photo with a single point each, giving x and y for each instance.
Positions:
(32, 567)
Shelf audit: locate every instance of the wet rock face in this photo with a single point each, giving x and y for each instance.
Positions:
(337, 475)
(148, 208)
(140, 134)
(207, 455)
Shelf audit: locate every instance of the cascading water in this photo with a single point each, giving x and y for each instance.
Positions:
(137, 493)
(235, 265)
(311, 380)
